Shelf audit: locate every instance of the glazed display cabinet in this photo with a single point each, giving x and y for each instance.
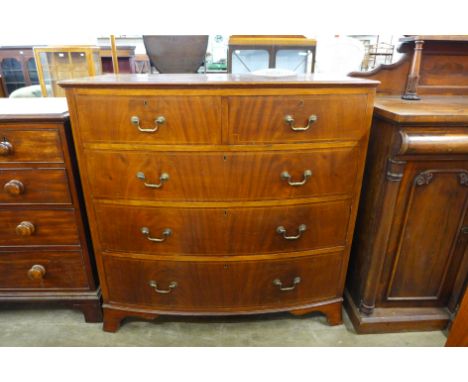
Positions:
(57, 63)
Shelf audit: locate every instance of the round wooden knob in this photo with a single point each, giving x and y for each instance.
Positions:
(14, 187)
(25, 229)
(37, 272)
(6, 148)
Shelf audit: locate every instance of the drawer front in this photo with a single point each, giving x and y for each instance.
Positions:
(221, 285)
(221, 176)
(263, 119)
(181, 119)
(222, 230)
(34, 186)
(18, 146)
(42, 270)
(38, 227)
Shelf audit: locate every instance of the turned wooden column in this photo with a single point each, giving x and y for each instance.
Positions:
(413, 76)
(394, 174)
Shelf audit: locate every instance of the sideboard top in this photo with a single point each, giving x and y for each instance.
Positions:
(33, 109)
(215, 80)
(430, 109)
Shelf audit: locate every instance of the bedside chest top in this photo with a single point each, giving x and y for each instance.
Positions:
(216, 80)
(31, 109)
(430, 109)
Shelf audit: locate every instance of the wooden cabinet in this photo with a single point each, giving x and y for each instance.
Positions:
(205, 198)
(44, 241)
(17, 67)
(409, 260)
(248, 53)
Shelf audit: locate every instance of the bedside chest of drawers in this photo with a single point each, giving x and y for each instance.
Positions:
(220, 194)
(44, 251)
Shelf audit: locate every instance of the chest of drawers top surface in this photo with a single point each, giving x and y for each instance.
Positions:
(33, 109)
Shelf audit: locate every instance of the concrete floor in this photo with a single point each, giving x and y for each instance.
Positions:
(62, 327)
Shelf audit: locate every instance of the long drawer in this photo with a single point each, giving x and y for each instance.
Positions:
(222, 286)
(42, 270)
(30, 145)
(278, 119)
(38, 227)
(205, 230)
(221, 176)
(157, 120)
(33, 186)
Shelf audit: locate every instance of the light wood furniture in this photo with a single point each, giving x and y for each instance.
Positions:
(220, 194)
(45, 255)
(270, 51)
(57, 63)
(18, 67)
(409, 260)
(458, 334)
(2, 88)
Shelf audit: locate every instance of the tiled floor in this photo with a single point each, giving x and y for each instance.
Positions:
(62, 327)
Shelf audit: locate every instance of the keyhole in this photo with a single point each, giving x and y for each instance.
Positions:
(224, 157)
(226, 266)
(145, 103)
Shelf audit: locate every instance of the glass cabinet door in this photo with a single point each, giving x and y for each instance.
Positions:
(293, 59)
(249, 60)
(13, 74)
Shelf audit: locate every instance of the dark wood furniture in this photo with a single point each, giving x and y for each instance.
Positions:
(409, 259)
(17, 67)
(2, 88)
(458, 334)
(45, 254)
(220, 194)
(272, 45)
(176, 53)
(125, 58)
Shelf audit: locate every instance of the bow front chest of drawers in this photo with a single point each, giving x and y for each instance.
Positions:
(44, 250)
(220, 194)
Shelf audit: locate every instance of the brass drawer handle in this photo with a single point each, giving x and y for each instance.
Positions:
(282, 231)
(172, 285)
(14, 187)
(290, 121)
(146, 232)
(157, 122)
(286, 176)
(6, 148)
(25, 229)
(279, 284)
(37, 272)
(163, 178)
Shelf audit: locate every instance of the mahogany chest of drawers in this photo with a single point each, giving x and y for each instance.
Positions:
(220, 194)
(44, 250)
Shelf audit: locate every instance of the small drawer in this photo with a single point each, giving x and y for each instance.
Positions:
(221, 176)
(38, 227)
(42, 270)
(30, 186)
(275, 119)
(38, 145)
(155, 120)
(230, 231)
(218, 286)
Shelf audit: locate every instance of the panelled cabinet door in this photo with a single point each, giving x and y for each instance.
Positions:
(424, 248)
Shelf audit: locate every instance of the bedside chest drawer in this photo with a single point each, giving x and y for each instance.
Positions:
(233, 231)
(156, 120)
(41, 146)
(42, 270)
(38, 227)
(221, 286)
(222, 176)
(31, 186)
(273, 119)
